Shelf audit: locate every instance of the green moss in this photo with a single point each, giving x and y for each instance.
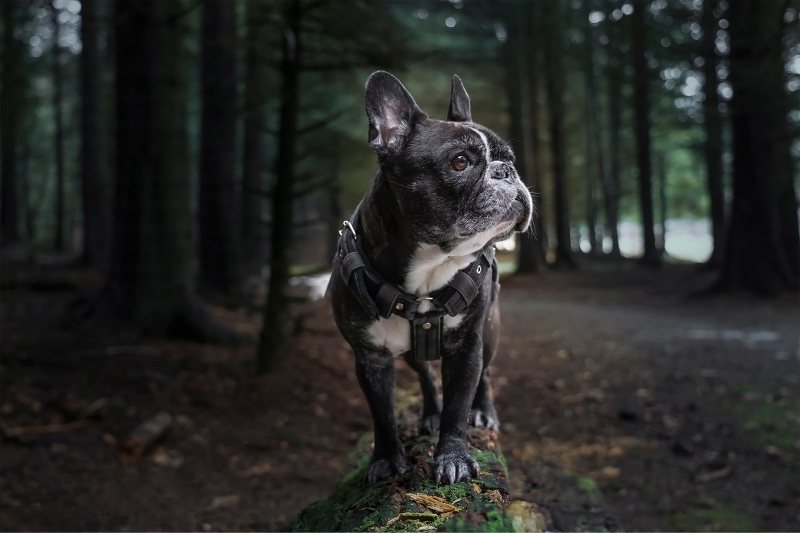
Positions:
(492, 520)
(589, 486)
(488, 460)
(454, 492)
(497, 520)
(771, 423)
(318, 516)
(717, 519)
(358, 506)
(359, 471)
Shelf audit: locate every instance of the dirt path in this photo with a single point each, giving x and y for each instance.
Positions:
(683, 412)
(668, 412)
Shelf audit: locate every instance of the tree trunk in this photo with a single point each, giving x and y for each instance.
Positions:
(11, 88)
(615, 77)
(713, 127)
(29, 229)
(150, 276)
(595, 165)
(554, 86)
(661, 178)
(334, 211)
(273, 341)
(254, 165)
(763, 246)
(58, 138)
(641, 103)
(94, 186)
(522, 115)
(412, 501)
(218, 211)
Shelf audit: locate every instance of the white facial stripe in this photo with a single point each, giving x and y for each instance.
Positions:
(485, 144)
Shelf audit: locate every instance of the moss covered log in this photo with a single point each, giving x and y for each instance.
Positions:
(414, 502)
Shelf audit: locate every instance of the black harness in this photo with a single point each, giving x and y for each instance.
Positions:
(382, 299)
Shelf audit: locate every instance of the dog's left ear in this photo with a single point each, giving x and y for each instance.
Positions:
(391, 111)
(459, 102)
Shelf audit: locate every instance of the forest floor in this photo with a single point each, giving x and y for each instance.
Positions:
(672, 412)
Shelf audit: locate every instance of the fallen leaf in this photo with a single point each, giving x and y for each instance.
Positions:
(411, 516)
(434, 503)
(705, 477)
(610, 472)
(257, 470)
(495, 496)
(224, 502)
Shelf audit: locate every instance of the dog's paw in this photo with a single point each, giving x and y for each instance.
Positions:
(381, 468)
(429, 424)
(484, 419)
(454, 466)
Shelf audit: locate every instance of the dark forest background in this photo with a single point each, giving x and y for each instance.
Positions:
(188, 157)
(180, 147)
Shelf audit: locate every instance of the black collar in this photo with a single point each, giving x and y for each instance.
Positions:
(382, 299)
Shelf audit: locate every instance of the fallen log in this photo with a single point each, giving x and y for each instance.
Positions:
(43, 429)
(145, 435)
(414, 502)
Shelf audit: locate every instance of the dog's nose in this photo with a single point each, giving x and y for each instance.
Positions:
(502, 172)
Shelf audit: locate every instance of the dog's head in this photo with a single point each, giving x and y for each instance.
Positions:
(454, 180)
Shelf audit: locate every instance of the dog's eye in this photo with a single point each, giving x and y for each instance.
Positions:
(459, 163)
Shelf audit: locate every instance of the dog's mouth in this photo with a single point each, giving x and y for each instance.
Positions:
(522, 208)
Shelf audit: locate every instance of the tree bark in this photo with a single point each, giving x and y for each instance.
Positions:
(411, 501)
(523, 115)
(218, 211)
(554, 86)
(273, 340)
(150, 276)
(713, 130)
(58, 138)
(254, 244)
(641, 103)
(95, 187)
(763, 246)
(10, 101)
(595, 164)
(615, 77)
(335, 212)
(661, 180)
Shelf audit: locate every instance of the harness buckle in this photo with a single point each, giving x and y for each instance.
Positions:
(421, 299)
(347, 225)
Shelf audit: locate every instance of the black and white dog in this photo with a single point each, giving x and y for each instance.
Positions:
(410, 276)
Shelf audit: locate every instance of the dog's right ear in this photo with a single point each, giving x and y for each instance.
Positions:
(391, 112)
(460, 110)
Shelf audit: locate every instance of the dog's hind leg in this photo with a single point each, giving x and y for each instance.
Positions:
(375, 372)
(483, 413)
(431, 406)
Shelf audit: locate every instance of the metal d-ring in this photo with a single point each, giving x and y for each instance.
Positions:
(425, 298)
(346, 224)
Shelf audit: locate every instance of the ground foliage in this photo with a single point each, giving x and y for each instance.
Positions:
(620, 396)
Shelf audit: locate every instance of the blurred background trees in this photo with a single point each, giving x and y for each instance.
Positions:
(191, 150)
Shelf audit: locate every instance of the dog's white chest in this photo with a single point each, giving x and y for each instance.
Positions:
(429, 270)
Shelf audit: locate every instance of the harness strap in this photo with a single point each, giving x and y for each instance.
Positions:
(382, 299)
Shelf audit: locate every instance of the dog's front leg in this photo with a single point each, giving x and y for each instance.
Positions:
(460, 373)
(375, 373)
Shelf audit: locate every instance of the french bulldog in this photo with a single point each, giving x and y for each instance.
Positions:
(445, 190)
